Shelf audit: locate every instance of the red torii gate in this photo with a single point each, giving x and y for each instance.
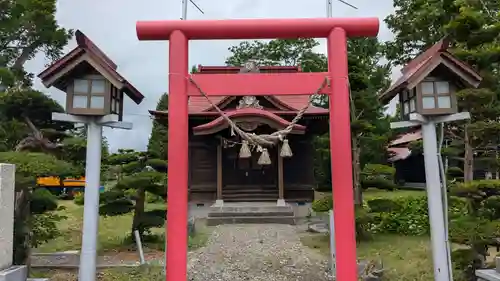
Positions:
(336, 31)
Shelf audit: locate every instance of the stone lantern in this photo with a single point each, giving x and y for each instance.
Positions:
(89, 78)
(427, 95)
(95, 92)
(430, 83)
(93, 95)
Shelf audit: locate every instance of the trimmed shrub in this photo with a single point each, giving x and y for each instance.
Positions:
(378, 176)
(324, 204)
(410, 218)
(405, 215)
(42, 200)
(364, 220)
(476, 193)
(383, 205)
(409, 215)
(79, 199)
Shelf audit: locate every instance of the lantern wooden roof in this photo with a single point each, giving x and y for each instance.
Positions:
(417, 69)
(87, 55)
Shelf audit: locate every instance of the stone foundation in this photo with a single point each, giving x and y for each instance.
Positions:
(489, 274)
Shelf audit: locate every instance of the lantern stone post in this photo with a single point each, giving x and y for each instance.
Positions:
(439, 234)
(95, 94)
(427, 93)
(94, 124)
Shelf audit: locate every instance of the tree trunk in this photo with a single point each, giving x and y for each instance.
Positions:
(468, 158)
(25, 55)
(356, 171)
(22, 228)
(140, 203)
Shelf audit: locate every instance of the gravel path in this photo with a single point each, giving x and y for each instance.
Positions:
(256, 252)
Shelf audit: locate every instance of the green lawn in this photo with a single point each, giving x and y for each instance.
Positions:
(404, 258)
(145, 273)
(113, 231)
(372, 193)
(113, 234)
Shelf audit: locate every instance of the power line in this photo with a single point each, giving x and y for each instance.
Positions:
(185, 4)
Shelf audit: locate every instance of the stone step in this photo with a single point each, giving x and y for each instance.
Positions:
(239, 191)
(219, 214)
(251, 220)
(250, 199)
(251, 208)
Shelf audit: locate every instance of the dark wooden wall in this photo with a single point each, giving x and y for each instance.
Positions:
(202, 168)
(298, 172)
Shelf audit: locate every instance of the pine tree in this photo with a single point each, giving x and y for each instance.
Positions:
(141, 177)
(158, 141)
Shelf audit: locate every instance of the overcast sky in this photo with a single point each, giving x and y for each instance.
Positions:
(111, 25)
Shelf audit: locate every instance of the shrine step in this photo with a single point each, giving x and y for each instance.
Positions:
(250, 212)
(250, 195)
(221, 214)
(251, 220)
(250, 199)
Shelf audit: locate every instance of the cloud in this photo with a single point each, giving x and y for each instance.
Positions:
(111, 25)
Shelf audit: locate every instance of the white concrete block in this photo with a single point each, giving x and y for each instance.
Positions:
(14, 273)
(7, 197)
(488, 275)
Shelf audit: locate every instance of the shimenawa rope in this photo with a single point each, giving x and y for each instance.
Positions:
(261, 142)
(264, 140)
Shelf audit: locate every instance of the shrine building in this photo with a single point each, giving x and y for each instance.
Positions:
(217, 169)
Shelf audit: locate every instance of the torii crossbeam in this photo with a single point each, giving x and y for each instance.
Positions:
(336, 31)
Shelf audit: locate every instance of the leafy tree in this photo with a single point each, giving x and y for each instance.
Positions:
(34, 223)
(158, 141)
(474, 27)
(366, 78)
(26, 121)
(142, 176)
(28, 27)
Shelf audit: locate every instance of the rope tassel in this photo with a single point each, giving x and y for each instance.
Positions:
(264, 158)
(286, 151)
(245, 150)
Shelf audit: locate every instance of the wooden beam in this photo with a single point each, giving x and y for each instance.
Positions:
(219, 171)
(281, 191)
(258, 84)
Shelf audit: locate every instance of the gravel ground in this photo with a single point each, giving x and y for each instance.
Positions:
(256, 252)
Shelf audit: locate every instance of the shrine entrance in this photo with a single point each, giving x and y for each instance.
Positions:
(244, 179)
(247, 172)
(182, 85)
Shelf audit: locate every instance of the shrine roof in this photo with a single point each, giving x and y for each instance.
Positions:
(198, 105)
(265, 116)
(425, 63)
(86, 46)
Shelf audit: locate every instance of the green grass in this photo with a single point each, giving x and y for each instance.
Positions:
(372, 193)
(143, 273)
(404, 258)
(113, 231)
(113, 238)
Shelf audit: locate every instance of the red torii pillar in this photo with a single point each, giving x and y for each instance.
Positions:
(336, 31)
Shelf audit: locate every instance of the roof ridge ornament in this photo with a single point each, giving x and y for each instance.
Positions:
(250, 66)
(249, 101)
